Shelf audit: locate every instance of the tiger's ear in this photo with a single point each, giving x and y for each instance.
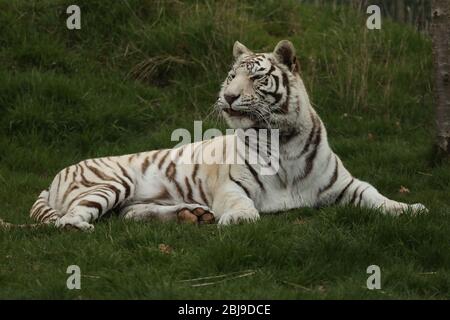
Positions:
(285, 53)
(239, 49)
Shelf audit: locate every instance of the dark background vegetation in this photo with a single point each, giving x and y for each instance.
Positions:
(416, 13)
(137, 70)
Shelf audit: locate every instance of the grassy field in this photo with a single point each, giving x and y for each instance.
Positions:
(137, 70)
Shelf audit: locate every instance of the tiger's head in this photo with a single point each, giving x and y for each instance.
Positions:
(263, 90)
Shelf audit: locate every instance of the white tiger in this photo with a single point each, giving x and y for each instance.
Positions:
(261, 91)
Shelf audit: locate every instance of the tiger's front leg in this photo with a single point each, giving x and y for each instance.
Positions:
(232, 205)
(359, 193)
(183, 212)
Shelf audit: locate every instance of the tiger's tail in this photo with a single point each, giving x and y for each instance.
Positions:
(7, 225)
(40, 211)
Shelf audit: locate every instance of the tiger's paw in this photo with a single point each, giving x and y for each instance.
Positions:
(418, 208)
(199, 215)
(240, 216)
(69, 223)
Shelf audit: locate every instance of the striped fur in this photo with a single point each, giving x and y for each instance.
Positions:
(261, 91)
(266, 91)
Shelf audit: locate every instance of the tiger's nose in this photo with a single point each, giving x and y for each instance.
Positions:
(230, 98)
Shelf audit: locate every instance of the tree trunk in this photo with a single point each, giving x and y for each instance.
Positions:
(440, 33)
(400, 11)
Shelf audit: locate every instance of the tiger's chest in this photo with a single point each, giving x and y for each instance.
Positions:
(280, 199)
(272, 193)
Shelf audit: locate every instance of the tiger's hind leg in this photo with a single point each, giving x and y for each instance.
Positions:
(77, 218)
(88, 207)
(184, 212)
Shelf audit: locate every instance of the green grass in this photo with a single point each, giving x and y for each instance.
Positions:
(137, 70)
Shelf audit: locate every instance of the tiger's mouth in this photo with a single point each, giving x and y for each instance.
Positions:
(235, 113)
